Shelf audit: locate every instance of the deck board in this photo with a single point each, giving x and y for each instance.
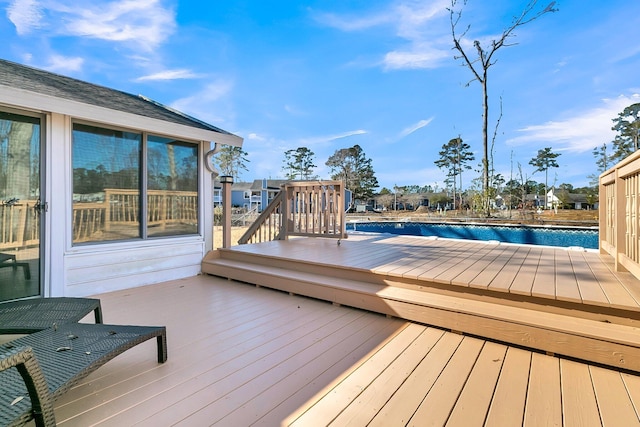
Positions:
(502, 281)
(399, 409)
(544, 283)
(523, 284)
(565, 280)
(588, 285)
(509, 398)
(239, 354)
(468, 277)
(435, 408)
(543, 406)
(450, 264)
(478, 252)
(615, 405)
(425, 264)
(476, 396)
(378, 385)
(494, 268)
(619, 295)
(542, 272)
(579, 406)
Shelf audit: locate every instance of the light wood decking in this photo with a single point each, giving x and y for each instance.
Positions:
(559, 301)
(243, 355)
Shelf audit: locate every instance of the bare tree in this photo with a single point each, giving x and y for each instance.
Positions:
(483, 60)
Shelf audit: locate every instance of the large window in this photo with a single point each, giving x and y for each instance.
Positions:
(172, 187)
(129, 185)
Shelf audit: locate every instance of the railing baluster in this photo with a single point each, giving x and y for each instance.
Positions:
(620, 214)
(301, 209)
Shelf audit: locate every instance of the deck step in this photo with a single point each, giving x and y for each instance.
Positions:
(586, 339)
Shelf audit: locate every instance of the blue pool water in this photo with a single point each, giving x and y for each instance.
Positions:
(534, 235)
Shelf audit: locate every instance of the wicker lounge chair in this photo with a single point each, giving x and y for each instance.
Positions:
(32, 315)
(37, 369)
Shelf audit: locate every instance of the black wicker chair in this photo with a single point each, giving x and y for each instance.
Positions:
(32, 315)
(37, 369)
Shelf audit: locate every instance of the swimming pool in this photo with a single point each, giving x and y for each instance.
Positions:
(534, 235)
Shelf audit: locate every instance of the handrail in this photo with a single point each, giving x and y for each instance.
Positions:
(620, 214)
(309, 209)
(268, 225)
(241, 219)
(19, 225)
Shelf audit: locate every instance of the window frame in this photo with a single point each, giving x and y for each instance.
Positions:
(143, 215)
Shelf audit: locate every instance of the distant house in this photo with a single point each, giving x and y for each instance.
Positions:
(568, 200)
(99, 189)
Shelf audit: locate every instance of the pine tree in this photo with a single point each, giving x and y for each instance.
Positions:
(543, 161)
(454, 157)
(298, 163)
(231, 160)
(353, 168)
(627, 124)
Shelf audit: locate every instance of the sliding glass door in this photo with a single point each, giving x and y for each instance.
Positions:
(20, 206)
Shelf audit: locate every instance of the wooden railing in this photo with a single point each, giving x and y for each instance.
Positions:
(311, 209)
(122, 208)
(620, 214)
(19, 225)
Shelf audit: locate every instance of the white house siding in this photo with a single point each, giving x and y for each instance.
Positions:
(102, 269)
(89, 269)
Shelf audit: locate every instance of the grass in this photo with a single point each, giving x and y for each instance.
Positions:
(236, 233)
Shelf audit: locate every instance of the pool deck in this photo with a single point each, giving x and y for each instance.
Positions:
(567, 302)
(243, 355)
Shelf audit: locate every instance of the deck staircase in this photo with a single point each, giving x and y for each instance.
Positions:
(594, 333)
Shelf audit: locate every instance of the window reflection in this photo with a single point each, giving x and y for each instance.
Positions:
(106, 184)
(107, 189)
(172, 182)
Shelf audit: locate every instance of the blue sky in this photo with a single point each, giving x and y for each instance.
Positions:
(333, 73)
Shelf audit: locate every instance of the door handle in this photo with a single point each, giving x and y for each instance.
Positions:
(41, 207)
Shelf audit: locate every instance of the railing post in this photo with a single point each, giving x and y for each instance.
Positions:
(284, 226)
(226, 182)
(602, 215)
(620, 210)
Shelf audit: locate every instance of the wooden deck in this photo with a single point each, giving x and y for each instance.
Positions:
(567, 302)
(244, 355)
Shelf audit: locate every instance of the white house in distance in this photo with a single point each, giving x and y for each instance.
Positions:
(571, 200)
(99, 189)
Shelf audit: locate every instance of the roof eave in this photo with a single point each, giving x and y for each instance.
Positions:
(14, 97)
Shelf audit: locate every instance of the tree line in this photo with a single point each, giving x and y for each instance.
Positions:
(349, 165)
(354, 169)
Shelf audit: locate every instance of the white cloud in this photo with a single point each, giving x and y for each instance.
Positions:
(170, 75)
(416, 126)
(347, 134)
(294, 111)
(415, 18)
(208, 103)
(59, 63)
(350, 23)
(255, 137)
(143, 23)
(417, 58)
(579, 133)
(25, 15)
(418, 22)
(307, 142)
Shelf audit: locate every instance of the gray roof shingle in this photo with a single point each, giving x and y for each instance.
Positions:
(43, 82)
